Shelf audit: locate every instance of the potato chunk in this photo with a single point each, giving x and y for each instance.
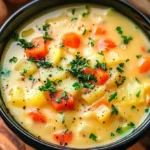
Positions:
(55, 55)
(23, 64)
(66, 85)
(94, 58)
(17, 97)
(52, 74)
(102, 113)
(36, 98)
(94, 95)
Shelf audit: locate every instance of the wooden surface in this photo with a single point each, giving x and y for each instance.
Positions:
(9, 141)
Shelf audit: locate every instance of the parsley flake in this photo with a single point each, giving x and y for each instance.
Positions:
(91, 42)
(114, 110)
(138, 56)
(73, 11)
(138, 94)
(112, 96)
(74, 18)
(93, 137)
(112, 134)
(13, 59)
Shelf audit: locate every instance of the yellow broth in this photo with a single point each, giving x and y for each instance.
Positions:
(99, 116)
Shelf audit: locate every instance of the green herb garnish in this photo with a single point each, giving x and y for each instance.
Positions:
(114, 110)
(73, 11)
(49, 86)
(91, 42)
(138, 56)
(31, 78)
(84, 32)
(138, 94)
(119, 69)
(112, 96)
(101, 65)
(44, 64)
(93, 137)
(13, 59)
(77, 86)
(137, 80)
(74, 18)
(123, 78)
(112, 134)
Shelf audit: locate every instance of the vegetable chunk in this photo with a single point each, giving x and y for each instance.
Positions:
(17, 97)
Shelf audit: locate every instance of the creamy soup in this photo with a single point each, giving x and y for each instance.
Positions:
(78, 76)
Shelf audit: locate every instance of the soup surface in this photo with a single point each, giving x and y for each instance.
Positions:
(78, 76)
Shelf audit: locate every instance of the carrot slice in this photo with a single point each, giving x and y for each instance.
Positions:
(89, 71)
(71, 40)
(38, 117)
(101, 76)
(144, 65)
(100, 31)
(40, 49)
(110, 44)
(59, 102)
(63, 138)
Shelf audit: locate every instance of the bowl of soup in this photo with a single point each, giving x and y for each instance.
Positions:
(76, 75)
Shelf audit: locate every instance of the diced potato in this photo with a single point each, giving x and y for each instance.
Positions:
(93, 59)
(52, 74)
(134, 93)
(147, 92)
(66, 85)
(114, 77)
(27, 32)
(102, 113)
(66, 60)
(113, 58)
(89, 115)
(86, 127)
(36, 98)
(94, 95)
(23, 64)
(55, 55)
(17, 97)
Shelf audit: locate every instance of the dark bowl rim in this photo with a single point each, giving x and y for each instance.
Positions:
(21, 131)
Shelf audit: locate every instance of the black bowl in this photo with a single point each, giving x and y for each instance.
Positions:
(34, 8)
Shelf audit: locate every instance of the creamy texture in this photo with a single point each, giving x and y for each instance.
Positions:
(132, 97)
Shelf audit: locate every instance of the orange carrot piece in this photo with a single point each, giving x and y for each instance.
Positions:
(71, 40)
(144, 65)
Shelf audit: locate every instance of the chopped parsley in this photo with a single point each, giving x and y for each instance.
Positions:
(91, 42)
(49, 86)
(84, 14)
(148, 51)
(77, 86)
(112, 97)
(32, 59)
(46, 37)
(58, 100)
(138, 56)
(112, 134)
(74, 18)
(44, 64)
(126, 39)
(89, 85)
(121, 65)
(137, 80)
(31, 78)
(138, 94)
(64, 95)
(147, 110)
(73, 11)
(119, 29)
(4, 72)
(15, 36)
(120, 69)
(123, 78)
(24, 72)
(60, 68)
(133, 107)
(114, 110)
(131, 124)
(13, 59)
(46, 27)
(127, 60)
(101, 65)
(93, 137)
(63, 120)
(84, 32)
(118, 130)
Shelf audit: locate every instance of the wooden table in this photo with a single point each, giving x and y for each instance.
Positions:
(9, 141)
